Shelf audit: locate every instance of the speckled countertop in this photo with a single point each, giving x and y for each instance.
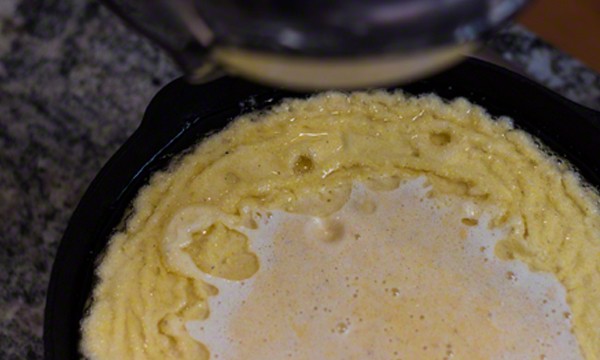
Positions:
(74, 83)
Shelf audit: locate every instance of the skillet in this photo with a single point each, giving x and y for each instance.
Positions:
(181, 115)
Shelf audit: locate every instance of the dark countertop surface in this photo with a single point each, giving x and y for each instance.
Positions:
(74, 83)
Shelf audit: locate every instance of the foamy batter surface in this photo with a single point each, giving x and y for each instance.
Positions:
(368, 225)
(391, 275)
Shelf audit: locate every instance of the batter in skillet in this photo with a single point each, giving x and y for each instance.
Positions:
(363, 225)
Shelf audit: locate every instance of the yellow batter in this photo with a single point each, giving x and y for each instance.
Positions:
(303, 157)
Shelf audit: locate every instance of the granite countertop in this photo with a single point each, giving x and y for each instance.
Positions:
(74, 83)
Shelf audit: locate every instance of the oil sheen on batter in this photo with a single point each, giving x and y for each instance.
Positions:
(364, 225)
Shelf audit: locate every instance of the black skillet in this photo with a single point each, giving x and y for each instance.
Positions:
(181, 115)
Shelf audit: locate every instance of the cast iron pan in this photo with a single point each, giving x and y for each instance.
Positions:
(181, 115)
